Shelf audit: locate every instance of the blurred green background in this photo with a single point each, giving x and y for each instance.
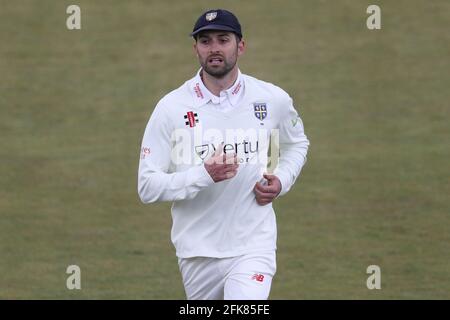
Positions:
(375, 104)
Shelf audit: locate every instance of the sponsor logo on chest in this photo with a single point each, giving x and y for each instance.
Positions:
(191, 118)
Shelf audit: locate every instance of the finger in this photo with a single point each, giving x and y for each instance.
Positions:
(219, 150)
(214, 158)
(219, 157)
(231, 158)
(261, 195)
(217, 160)
(258, 189)
(257, 192)
(270, 178)
(265, 188)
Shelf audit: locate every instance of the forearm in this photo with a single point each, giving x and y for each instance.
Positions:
(155, 185)
(292, 159)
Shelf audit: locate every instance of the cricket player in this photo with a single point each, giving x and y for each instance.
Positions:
(205, 148)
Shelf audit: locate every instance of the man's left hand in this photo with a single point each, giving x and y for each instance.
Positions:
(265, 193)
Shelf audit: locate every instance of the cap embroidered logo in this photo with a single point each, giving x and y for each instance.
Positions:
(210, 16)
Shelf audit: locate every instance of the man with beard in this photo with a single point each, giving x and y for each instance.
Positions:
(205, 148)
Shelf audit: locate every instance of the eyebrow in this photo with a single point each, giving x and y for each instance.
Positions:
(204, 35)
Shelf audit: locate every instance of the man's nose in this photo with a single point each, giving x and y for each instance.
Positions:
(214, 48)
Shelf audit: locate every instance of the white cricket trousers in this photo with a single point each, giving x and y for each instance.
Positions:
(246, 277)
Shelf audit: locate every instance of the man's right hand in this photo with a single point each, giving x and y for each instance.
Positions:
(221, 166)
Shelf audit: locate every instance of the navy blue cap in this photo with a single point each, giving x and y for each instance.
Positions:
(218, 19)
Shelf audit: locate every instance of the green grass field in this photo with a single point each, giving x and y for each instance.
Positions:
(375, 104)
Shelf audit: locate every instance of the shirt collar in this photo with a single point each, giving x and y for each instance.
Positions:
(201, 95)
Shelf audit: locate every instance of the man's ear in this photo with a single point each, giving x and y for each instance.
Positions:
(194, 46)
(241, 47)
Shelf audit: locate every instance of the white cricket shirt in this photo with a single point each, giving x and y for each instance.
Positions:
(226, 100)
(220, 219)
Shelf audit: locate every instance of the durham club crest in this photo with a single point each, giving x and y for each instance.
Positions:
(260, 110)
(211, 16)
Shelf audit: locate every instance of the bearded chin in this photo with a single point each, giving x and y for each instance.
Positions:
(218, 72)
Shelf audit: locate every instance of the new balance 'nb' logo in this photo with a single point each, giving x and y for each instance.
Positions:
(258, 277)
